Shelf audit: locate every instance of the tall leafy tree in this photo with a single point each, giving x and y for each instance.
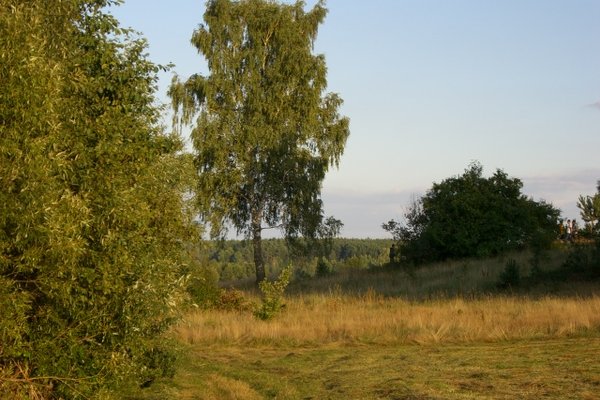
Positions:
(92, 217)
(589, 207)
(473, 216)
(266, 132)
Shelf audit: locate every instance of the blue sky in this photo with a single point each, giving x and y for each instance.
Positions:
(432, 85)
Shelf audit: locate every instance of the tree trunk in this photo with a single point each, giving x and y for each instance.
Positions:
(259, 263)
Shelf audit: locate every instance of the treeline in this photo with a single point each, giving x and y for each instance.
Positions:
(231, 260)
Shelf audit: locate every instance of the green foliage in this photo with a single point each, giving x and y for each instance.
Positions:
(590, 212)
(233, 259)
(272, 295)
(92, 211)
(326, 233)
(473, 216)
(511, 276)
(158, 362)
(535, 262)
(583, 261)
(324, 267)
(203, 286)
(265, 132)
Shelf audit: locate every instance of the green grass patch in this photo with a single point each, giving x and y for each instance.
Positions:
(533, 369)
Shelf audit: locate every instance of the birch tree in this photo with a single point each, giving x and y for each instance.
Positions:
(264, 129)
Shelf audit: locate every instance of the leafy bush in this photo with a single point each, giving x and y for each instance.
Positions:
(473, 216)
(511, 276)
(583, 261)
(324, 267)
(92, 207)
(203, 286)
(303, 274)
(272, 295)
(159, 362)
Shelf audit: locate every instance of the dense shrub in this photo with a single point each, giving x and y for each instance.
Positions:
(583, 261)
(324, 267)
(203, 286)
(92, 212)
(473, 216)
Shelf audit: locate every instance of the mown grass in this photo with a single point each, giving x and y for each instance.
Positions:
(565, 368)
(358, 336)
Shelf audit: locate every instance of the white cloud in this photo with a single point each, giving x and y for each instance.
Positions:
(563, 190)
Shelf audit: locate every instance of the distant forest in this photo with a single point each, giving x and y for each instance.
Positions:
(232, 260)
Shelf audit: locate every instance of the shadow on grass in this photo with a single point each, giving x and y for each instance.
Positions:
(551, 275)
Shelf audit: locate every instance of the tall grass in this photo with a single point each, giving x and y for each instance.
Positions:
(464, 278)
(453, 302)
(334, 317)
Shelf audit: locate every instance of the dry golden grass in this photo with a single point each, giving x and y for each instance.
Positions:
(370, 318)
(221, 387)
(441, 332)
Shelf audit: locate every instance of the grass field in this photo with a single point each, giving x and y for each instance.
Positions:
(350, 341)
(565, 368)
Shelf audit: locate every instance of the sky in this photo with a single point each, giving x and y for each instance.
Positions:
(431, 86)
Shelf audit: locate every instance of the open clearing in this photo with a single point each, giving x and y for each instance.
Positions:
(533, 369)
(556, 354)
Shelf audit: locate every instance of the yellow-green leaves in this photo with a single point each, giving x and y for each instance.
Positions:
(266, 132)
(93, 203)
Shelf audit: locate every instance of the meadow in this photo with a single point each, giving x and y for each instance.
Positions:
(441, 332)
